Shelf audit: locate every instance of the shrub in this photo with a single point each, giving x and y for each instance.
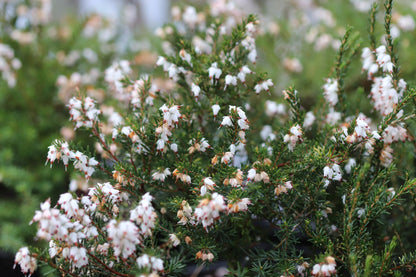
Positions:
(37, 57)
(202, 166)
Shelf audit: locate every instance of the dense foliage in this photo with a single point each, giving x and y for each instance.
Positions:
(201, 162)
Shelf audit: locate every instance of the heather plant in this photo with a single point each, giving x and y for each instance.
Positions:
(38, 57)
(198, 163)
(314, 29)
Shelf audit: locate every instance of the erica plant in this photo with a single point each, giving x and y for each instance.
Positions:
(203, 163)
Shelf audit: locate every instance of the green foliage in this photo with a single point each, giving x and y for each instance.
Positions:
(203, 165)
(31, 116)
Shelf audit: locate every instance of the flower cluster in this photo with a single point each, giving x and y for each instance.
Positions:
(124, 237)
(332, 173)
(283, 188)
(60, 150)
(153, 263)
(8, 64)
(205, 255)
(209, 210)
(208, 185)
(144, 215)
(161, 175)
(252, 175)
(67, 226)
(171, 117)
(384, 95)
(139, 92)
(265, 85)
(185, 213)
(198, 145)
(325, 269)
(240, 116)
(26, 262)
(331, 92)
(294, 136)
(239, 205)
(182, 176)
(116, 73)
(83, 112)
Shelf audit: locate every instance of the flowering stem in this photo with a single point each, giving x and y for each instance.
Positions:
(103, 143)
(49, 262)
(107, 267)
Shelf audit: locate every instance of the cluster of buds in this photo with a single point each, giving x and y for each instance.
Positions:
(244, 70)
(209, 210)
(144, 215)
(384, 95)
(83, 112)
(236, 181)
(106, 193)
(394, 133)
(51, 223)
(172, 69)
(185, 178)
(249, 43)
(205, 255)
(214, 73)
(331, 91)
(208, 185)
(124, 237)
(8, 64)
(375, 60)
(252, 175)
(77, 255)
(60, 150)
(283, 188)
(26, 262)
(241, 75)
(185, 213)
(237, 119)
(264, 85)
(332, 173)
(103, 199)
(238, 205)
(150, 262)
(383, 59)
(116, 73)
(226, 157)
(386, 156)
(199, 145)
(294, 136)
(161, 175)
(361, 131)
(325, 269)
(171, 117)
(138, 93)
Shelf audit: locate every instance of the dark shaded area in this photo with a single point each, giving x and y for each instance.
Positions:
(6, 266)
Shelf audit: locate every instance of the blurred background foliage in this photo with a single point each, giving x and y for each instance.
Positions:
(297, 46)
